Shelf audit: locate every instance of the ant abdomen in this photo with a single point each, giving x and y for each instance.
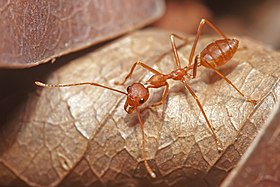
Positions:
(218, 52)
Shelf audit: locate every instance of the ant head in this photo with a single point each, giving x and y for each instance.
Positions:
(137, 94)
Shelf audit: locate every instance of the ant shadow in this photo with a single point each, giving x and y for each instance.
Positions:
(209, 76)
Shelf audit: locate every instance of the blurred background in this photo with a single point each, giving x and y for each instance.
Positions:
(67, 38)
(258, 19)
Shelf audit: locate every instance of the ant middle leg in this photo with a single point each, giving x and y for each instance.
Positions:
(133, 68)
(218, 142)
(193, 68)
(174, 48)
(254, 102)
(201, 24)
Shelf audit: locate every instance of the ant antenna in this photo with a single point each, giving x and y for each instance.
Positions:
(77, 84)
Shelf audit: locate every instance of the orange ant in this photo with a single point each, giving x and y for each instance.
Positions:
(213, 55)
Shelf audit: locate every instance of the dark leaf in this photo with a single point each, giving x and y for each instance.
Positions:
(260, 165)
(37, 32)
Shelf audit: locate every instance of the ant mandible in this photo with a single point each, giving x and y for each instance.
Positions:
(213, 55)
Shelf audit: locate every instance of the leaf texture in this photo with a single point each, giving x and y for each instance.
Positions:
(82, 136)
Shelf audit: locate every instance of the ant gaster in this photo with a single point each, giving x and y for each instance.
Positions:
(212, 56)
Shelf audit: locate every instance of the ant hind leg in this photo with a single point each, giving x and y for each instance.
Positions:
(254, 102)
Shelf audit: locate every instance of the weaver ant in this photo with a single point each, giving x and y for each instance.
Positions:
(213, 55)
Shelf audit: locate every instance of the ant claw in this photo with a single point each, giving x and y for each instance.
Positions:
(220, 149)
(153, 175)
(118, 83)
(254, 102)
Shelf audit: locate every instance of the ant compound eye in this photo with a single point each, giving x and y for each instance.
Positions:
(127, 89)
(142, 100)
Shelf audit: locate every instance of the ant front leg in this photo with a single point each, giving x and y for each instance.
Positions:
(163, 99)
(132, 70)
(174, 48)
(201, 24)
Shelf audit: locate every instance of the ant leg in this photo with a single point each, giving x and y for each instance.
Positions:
(163, 99)
(218, 142)
(132, 69)
(161, 56)
(201, 24)
(149, 169)
(174, 48)
(193, 68)
(254, 102)
(216, 29)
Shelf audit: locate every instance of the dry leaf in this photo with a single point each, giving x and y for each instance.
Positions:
(82, 136)
(37, 32)
(260, 165)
